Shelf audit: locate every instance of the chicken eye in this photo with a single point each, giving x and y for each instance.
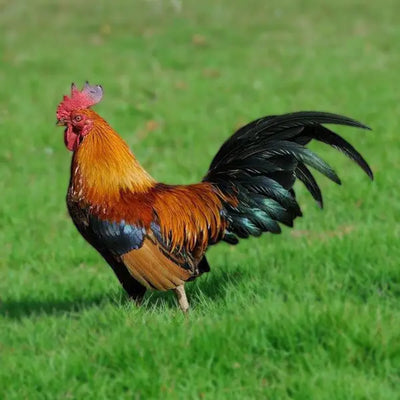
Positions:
(78, 118)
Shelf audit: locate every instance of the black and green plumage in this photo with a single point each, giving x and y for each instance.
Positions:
(259, 164)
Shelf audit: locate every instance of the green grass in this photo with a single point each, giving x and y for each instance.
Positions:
(311, 314)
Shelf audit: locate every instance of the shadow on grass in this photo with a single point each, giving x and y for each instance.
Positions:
(26, 307)
(209, 287)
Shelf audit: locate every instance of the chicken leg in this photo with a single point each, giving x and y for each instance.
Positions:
(182, 299)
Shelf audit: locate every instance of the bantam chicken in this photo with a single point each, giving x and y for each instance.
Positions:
(155, 236)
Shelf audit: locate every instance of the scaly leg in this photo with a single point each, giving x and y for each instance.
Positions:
(182, 299)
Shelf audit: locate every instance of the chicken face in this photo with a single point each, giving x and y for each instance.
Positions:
(74, 113)
(77, 126)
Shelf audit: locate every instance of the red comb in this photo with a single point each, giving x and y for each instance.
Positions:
(79, 99)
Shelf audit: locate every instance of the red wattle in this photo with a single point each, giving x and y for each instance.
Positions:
(71, 139)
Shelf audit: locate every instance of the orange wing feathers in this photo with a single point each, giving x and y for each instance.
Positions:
(153, 269)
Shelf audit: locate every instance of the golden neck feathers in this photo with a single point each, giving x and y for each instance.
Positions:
(103, 167)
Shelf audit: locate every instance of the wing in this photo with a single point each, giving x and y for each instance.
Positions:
(142, 251)
(153, 269)
(186, 220)
(138, 250)
(169, 250)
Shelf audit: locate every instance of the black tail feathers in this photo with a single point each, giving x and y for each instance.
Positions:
(260, 162)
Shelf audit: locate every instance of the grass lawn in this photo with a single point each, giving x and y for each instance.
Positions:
(313, 313)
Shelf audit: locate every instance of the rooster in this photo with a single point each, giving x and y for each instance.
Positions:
(155, 236)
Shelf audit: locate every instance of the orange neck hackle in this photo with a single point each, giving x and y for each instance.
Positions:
(103, 167)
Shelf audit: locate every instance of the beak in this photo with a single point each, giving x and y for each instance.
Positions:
(60, 122)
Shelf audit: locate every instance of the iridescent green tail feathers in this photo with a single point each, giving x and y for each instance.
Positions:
(259, 164)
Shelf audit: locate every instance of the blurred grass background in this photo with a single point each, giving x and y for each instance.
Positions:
(310, 314)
